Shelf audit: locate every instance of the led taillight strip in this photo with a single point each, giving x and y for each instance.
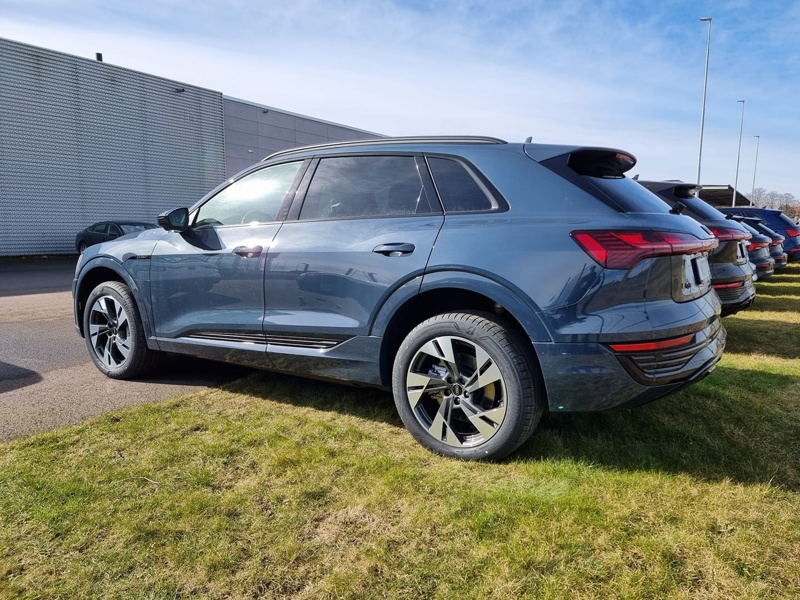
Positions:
(653, 346)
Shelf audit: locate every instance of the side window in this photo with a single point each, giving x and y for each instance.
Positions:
(113, 229)
(255, 198)
(365, 186)
(99, 228)
(458, 188)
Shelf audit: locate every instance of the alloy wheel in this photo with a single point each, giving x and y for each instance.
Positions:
(456, 391)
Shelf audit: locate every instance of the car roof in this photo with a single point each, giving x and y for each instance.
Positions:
(538, 152)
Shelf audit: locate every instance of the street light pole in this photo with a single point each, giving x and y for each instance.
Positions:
(758, 143)
(705, 88)
(738, 155)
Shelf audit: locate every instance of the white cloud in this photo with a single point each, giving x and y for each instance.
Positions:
(569, 72)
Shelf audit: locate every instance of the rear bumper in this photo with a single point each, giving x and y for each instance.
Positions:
(734, 299)
(591, 377)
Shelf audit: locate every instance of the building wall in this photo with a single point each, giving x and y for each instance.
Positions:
(83, 141)
(254, 131)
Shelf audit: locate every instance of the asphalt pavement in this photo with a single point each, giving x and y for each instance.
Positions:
(46, 377)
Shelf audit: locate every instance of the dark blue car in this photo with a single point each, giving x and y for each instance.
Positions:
(778, 222)
(731, 272)
(483, 282)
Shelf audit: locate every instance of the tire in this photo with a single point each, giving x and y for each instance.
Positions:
(114, 334)
(82, 248)
(466, 386)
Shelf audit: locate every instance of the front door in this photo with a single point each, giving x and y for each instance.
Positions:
(207, 283)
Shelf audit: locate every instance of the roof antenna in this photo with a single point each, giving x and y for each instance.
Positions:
(528, 139)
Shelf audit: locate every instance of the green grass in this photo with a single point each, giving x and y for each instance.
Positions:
(280, 487)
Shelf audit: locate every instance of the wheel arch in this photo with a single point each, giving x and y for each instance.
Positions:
(440, 293)
(99, 271)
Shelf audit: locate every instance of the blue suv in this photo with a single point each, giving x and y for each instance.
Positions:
(483, 282)
(778, 222)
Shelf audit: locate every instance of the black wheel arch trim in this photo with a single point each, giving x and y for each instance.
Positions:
(524, 311)
(112, 264)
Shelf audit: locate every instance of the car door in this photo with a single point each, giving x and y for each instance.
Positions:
(98, 234)
(114, 231)
(366, 226)
(207, 283)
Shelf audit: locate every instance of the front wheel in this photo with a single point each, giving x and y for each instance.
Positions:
(114, 333)
(466, 386)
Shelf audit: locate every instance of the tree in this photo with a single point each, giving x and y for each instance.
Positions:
(762, 198)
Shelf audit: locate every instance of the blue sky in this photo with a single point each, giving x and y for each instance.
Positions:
(621, 74)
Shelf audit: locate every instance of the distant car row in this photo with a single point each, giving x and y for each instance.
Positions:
(753, 242)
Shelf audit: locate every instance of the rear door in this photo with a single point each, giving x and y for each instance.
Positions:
(366, 226)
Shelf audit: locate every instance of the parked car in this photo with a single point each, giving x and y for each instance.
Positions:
(758, 251)
(731, 271)
(775, 241)
(107, 231)
(483, 282)
(778, 222)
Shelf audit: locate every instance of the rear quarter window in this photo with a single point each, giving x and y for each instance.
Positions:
(459, 189)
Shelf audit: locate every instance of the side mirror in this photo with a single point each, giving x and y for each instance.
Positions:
(174, 220)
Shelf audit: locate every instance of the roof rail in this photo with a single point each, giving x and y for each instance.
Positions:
(452, 139)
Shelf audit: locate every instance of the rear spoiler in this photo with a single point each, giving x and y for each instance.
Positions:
(594, 162)
(679, 188)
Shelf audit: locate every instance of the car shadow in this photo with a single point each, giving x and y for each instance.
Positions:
(693, 432)
(779, 290)
(365, 402)
(176, 369)
(13, 377)
(700, 431)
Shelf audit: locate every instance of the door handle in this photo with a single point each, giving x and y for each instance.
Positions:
(248, 251)
(394, 249)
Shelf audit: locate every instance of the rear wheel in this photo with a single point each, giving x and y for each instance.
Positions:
(466, 386)
(114, 333)
(82, 248)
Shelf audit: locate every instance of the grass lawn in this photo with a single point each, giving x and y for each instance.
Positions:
(280, 487)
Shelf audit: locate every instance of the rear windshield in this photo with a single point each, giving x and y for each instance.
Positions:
(629, 195)
(699, 209)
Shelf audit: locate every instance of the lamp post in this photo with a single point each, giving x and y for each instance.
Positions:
(705, 88)
(738, 155)
(755, 167)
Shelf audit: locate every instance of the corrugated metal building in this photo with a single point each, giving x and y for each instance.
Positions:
(84, 141)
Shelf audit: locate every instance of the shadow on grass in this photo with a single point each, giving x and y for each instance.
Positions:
(776, 303)
(738, 424)
(778, 290)
(364, 402)
(771, 338)
(724, 427)
(780, 277)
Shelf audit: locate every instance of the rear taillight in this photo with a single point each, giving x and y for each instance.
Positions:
(653, 346)
(728, 234)
(793, 232)
(756, 246)
(777, 241)
(727, 286)
(623, 249)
